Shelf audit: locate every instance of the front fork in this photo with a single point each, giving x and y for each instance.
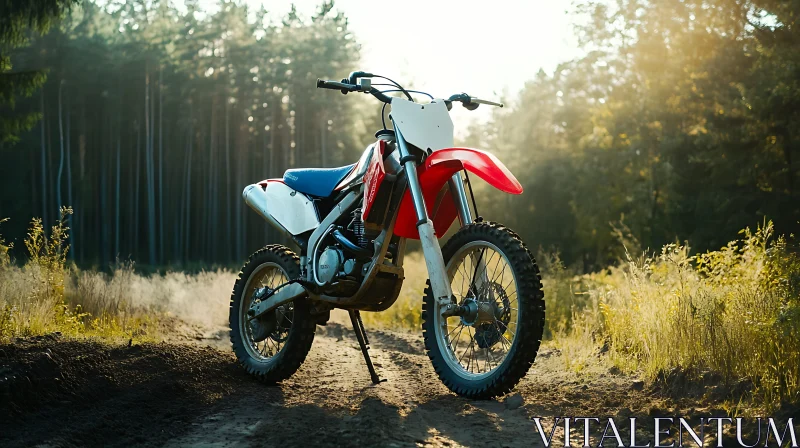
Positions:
(437, 272)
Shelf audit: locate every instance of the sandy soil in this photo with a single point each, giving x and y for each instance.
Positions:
(56, 392)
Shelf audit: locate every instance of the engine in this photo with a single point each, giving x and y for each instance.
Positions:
(334, 265)
(339, 265)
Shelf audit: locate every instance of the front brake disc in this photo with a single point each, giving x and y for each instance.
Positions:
(489, 334)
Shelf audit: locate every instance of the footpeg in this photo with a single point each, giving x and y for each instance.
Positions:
(361, 335)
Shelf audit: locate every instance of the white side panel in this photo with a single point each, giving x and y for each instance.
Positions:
(292, 209)
(424, 125)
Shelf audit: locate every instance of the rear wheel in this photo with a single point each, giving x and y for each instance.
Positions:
(487, 351)
(273, 346)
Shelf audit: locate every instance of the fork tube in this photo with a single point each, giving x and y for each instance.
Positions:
(456, 184)
(427, 237)
(465, 216)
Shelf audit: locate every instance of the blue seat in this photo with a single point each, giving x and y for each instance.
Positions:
(316, 181)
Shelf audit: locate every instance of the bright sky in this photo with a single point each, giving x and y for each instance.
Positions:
(485, 48)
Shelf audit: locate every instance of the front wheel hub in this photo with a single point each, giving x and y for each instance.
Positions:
(470, 312)
(494, 315)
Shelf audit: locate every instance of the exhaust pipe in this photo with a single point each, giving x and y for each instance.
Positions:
(256, 198)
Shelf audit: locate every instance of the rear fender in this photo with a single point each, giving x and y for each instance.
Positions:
(438, 168)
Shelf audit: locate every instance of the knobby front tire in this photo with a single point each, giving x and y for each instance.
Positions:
(485, 354)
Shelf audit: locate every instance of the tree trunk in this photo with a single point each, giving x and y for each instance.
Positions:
(323, 136)
(101, 211)
(227, 196)
(136, 199)
(188, 191)
(80, 226)
(116, 196)
(210, 201)
(273, 132)
(69, 189)
(238, 156)
(151, 209)
(44, 165)
(185, 205)
(161, 191)
(61, 151)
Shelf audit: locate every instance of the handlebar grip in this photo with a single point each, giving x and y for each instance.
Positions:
(345, 87)
(333, 85)
(322, 84)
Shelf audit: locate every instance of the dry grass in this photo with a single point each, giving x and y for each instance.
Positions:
(406, 313)
(45, 295)
(734, 312)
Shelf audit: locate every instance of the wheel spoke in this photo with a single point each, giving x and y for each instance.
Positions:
(486, 279)
(458, 339)
(460, 325)
(269, 276)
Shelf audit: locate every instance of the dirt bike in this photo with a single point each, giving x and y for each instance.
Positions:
(483, 309)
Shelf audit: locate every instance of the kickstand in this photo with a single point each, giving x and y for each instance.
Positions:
(361, 335)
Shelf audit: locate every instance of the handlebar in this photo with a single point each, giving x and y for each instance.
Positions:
(350, 84)
(346, 87)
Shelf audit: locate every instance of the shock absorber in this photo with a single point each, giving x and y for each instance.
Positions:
(358, 229)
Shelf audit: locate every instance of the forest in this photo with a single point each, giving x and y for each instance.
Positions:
(678, 124)
(153, 119)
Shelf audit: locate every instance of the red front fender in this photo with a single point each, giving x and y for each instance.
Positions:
(433, 175)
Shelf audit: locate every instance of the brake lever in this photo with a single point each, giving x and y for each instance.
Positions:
(464, 99)
(487, 102)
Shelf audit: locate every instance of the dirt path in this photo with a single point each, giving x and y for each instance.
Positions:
(77, 393)
(331, 400)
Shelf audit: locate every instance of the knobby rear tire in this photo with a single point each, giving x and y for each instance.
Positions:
(531, 309)
(301, 334)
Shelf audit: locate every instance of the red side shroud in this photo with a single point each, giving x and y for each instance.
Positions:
(435, 172)
(373, 178)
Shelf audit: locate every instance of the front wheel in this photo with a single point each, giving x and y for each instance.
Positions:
(488, 350)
